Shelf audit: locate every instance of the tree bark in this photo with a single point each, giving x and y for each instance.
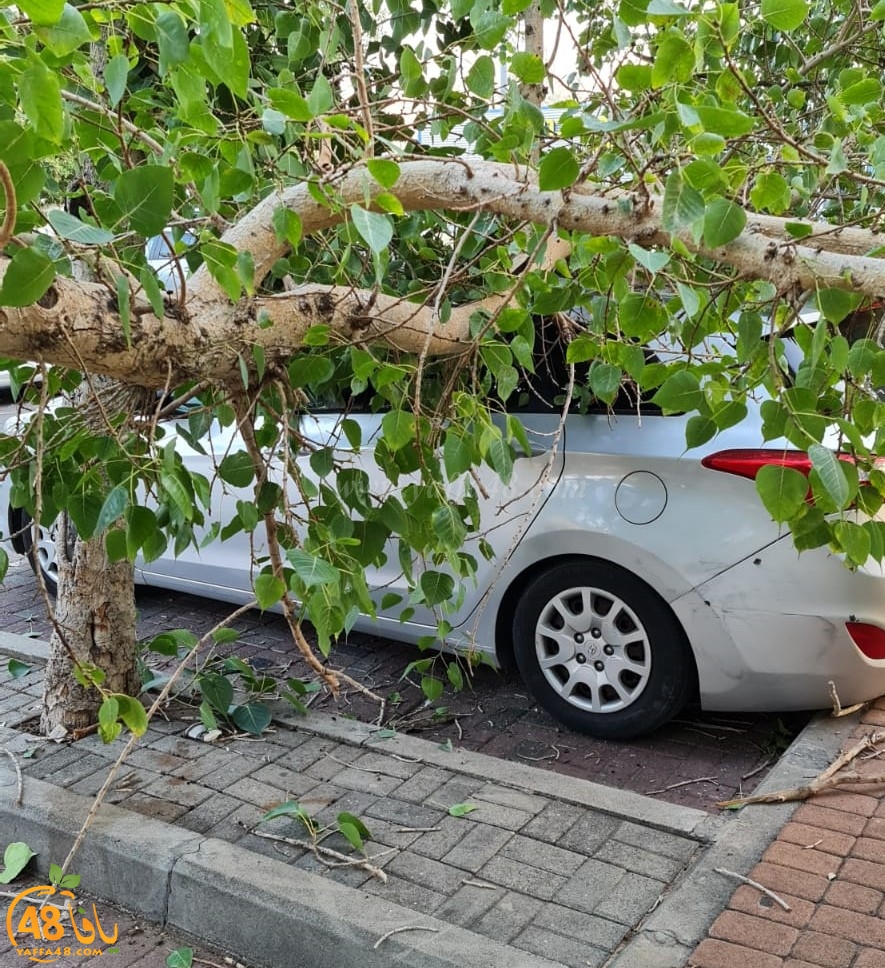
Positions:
(95, 626)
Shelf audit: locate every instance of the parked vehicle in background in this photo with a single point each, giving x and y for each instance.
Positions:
(628, 577)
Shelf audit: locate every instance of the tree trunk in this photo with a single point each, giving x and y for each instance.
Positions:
(95, 626)
(95, 612)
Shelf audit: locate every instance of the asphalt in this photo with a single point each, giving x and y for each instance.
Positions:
(477, 861)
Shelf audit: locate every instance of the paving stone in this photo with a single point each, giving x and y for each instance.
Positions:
(438, 843)
(712, 953)
(50, 759)
(751, 901)
(326, 766)
(863, 872)
(409, 894)
(408, 814)
(820, 816)
(522, 877)
(457, 789)
(386, 765)
(870, 958)
(477, 846)
(812, 860)
(234, 826)
(508, 917)
(657, 841)
(255, 791)
(589, 833)
(497, 815)
(178, 790)
(388, 834)
(426, 871)
(287, 738)
(158, 761)
(757, 933)
(855, 803)
(788, 880)
(639, 861)
(226, 774)
(213, 760)
(468, 904)
(825, 950)
(631, 899)
(855, 897)
(860, 928)
(292, 783)
(187, 749)
(354, 778)
(875, 828)
(425, 784)
(527, 802)
(543, 856)
(155, 807)
(869, 848)
(554, 821)
(595, 930)
(826, 841)
(87, 765)
(557, 947)
(205, 815)
(589, 886)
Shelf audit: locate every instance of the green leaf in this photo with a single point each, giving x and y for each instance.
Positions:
(42, 12)
(461, 809)
(384, 171)
(17, 669)
(15, 859)
(798, 230)
(783, 491)
(528, 68)
(375, 229)
(448, 527)
(558, 169)
(145, 197)
(237, 469)
(114, 505)
(836, 304)
(683, 207)
(784, 14)
(180, 958)
(40, 97)
(680, 393)
(28, 276)
(398, 427)
(652, 261)
(437, 586)
(311, 569)
(70, 227)
(723, 222)
(172, 39)
(133, 714)
(67, 34)
(831, 473)
(432, 688)
(674, 61)
(481, 77)
(292, 810)
(217, 690)
(253, 717)
(268, 590)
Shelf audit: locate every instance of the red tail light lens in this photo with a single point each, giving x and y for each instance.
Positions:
(870, 639)
(747, 463)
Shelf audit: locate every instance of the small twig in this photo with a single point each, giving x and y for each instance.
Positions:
(21, 783)
(815, 844)
(353, 766)
(758, 769)
(756, 884)
(488, 887)
(405, 927)
(837, 706)
(700, 779)
(417, 830)
(317, 849)
(865, 742)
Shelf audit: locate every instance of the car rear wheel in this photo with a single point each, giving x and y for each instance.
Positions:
(601, 651)
(42, 554)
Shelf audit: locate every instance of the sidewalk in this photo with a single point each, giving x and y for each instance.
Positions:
(543, 870)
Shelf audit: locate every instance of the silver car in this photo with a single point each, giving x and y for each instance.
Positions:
(628, 577)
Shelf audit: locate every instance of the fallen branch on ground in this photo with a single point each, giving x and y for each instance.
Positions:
(363, 863)
(759, 887)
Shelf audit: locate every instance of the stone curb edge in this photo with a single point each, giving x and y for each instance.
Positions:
(184, 874)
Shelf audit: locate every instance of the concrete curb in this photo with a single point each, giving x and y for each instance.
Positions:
(175, 876)
(671, 932)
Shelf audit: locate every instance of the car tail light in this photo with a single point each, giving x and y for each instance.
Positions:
(747, 463)
(870, 639)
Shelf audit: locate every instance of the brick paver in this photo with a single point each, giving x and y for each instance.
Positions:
(828, 864)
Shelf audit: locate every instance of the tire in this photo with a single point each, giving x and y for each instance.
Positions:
(601, 651)
(42, 556)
